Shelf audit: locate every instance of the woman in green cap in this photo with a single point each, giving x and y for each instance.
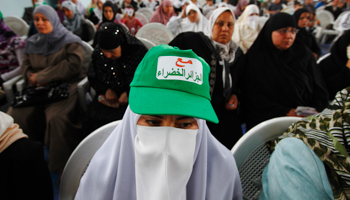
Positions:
(163, 149)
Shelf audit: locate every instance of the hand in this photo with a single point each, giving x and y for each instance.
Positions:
(232, 103)
(111, 95)
(32, 78)
(123, 99)
(292, 113)
(184, 12)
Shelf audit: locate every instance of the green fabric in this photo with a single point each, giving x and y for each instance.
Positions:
(328, 135)
(169, 81)
(1, 17)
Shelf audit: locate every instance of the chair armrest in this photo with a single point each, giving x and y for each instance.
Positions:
(20, 85)
(83, 87)
(8, 88)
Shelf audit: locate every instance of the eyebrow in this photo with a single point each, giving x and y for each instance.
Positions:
(157, 116)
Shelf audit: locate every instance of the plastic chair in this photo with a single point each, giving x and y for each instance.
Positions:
(325, 17)
(148, 44)
(80, 158)
(8, 88)
(156, 33)
(92, 31)
(262, 21)
(88, 49)
(323, 57)
(252, 155)
(17, 25)
(143, 19)
(147, 12)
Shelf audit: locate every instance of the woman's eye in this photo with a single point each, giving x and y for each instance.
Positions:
(184, 125)
(153, 122)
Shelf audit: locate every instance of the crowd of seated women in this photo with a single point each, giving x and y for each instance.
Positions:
(255, 73)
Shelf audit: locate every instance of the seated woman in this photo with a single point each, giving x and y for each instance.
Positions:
(130, 20)
(335, 68)
(114, 62)
(25, 173)
(109, 15)
(279, 74)
(74, 22)
(97, 13)
(162, 149)
(191, 20)
(163, 13)
(311, 159)
(302, 17)
(242, 4)
(53, 54)
(11, 53)
(216, 47)
(247, 28)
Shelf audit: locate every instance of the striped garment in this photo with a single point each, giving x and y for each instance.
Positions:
(328, 135)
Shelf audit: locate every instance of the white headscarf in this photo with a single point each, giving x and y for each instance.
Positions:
(344, 22)
(98, 11)
(111, 172)
(188, 26)
(226, 51)
(243, 32)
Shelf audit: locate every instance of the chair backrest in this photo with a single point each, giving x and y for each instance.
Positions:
(92, 30)
(323, 57)
(156, 33)
(126, 27)
(88, 49)
(262, 21)
(325, 17)
(251, 154)
(146, 12)
(143, 19)
(320, 8)
(146, 42)
(337, 25)
(288, 10)
(17, 25)
(80, 158)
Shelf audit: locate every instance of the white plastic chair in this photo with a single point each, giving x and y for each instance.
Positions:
(17, 25)
(325, 17)
(148, 44)
(262, 21)
(143, 19)
(156, 33)
(252, 155)
(323, 57)
(288, 10)
(146, 12)
(80, 158)
(8, 88)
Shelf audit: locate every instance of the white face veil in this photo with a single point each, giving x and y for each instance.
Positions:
(111, 172)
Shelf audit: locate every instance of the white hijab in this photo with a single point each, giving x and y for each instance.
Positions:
(98, 12)
(111, 172)
(227, 51)
(188, 26)
(243, 32)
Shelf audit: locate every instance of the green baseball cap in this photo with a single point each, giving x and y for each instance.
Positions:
(169, 81)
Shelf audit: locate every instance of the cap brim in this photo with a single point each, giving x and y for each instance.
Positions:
(158, 101)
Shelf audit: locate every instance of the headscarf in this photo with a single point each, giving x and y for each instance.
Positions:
(111, 5)
(345, 22)
(160, 16)
(74, 23)
(47, 44)
(305, 36)
(111, 172)
(60, 12)
(111, 36)
(80, 7)
(9, 132)
(286, 79)
(198, 26)
(98, 12)
(239, 10)
(226, 51)
(243, 32)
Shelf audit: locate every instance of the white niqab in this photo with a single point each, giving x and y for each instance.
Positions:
(111, 172)
(163, 162)
(247, 28)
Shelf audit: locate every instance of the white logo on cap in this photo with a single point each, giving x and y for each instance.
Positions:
(180, 68)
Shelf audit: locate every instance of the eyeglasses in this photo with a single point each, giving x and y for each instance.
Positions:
(285, 31)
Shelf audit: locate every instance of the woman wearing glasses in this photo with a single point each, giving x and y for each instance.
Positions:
(278, 74)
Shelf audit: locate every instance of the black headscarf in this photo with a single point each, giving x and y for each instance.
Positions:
(305, 36)
(273, 81)
(108, 4)
(334, 69)
(111, 36)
